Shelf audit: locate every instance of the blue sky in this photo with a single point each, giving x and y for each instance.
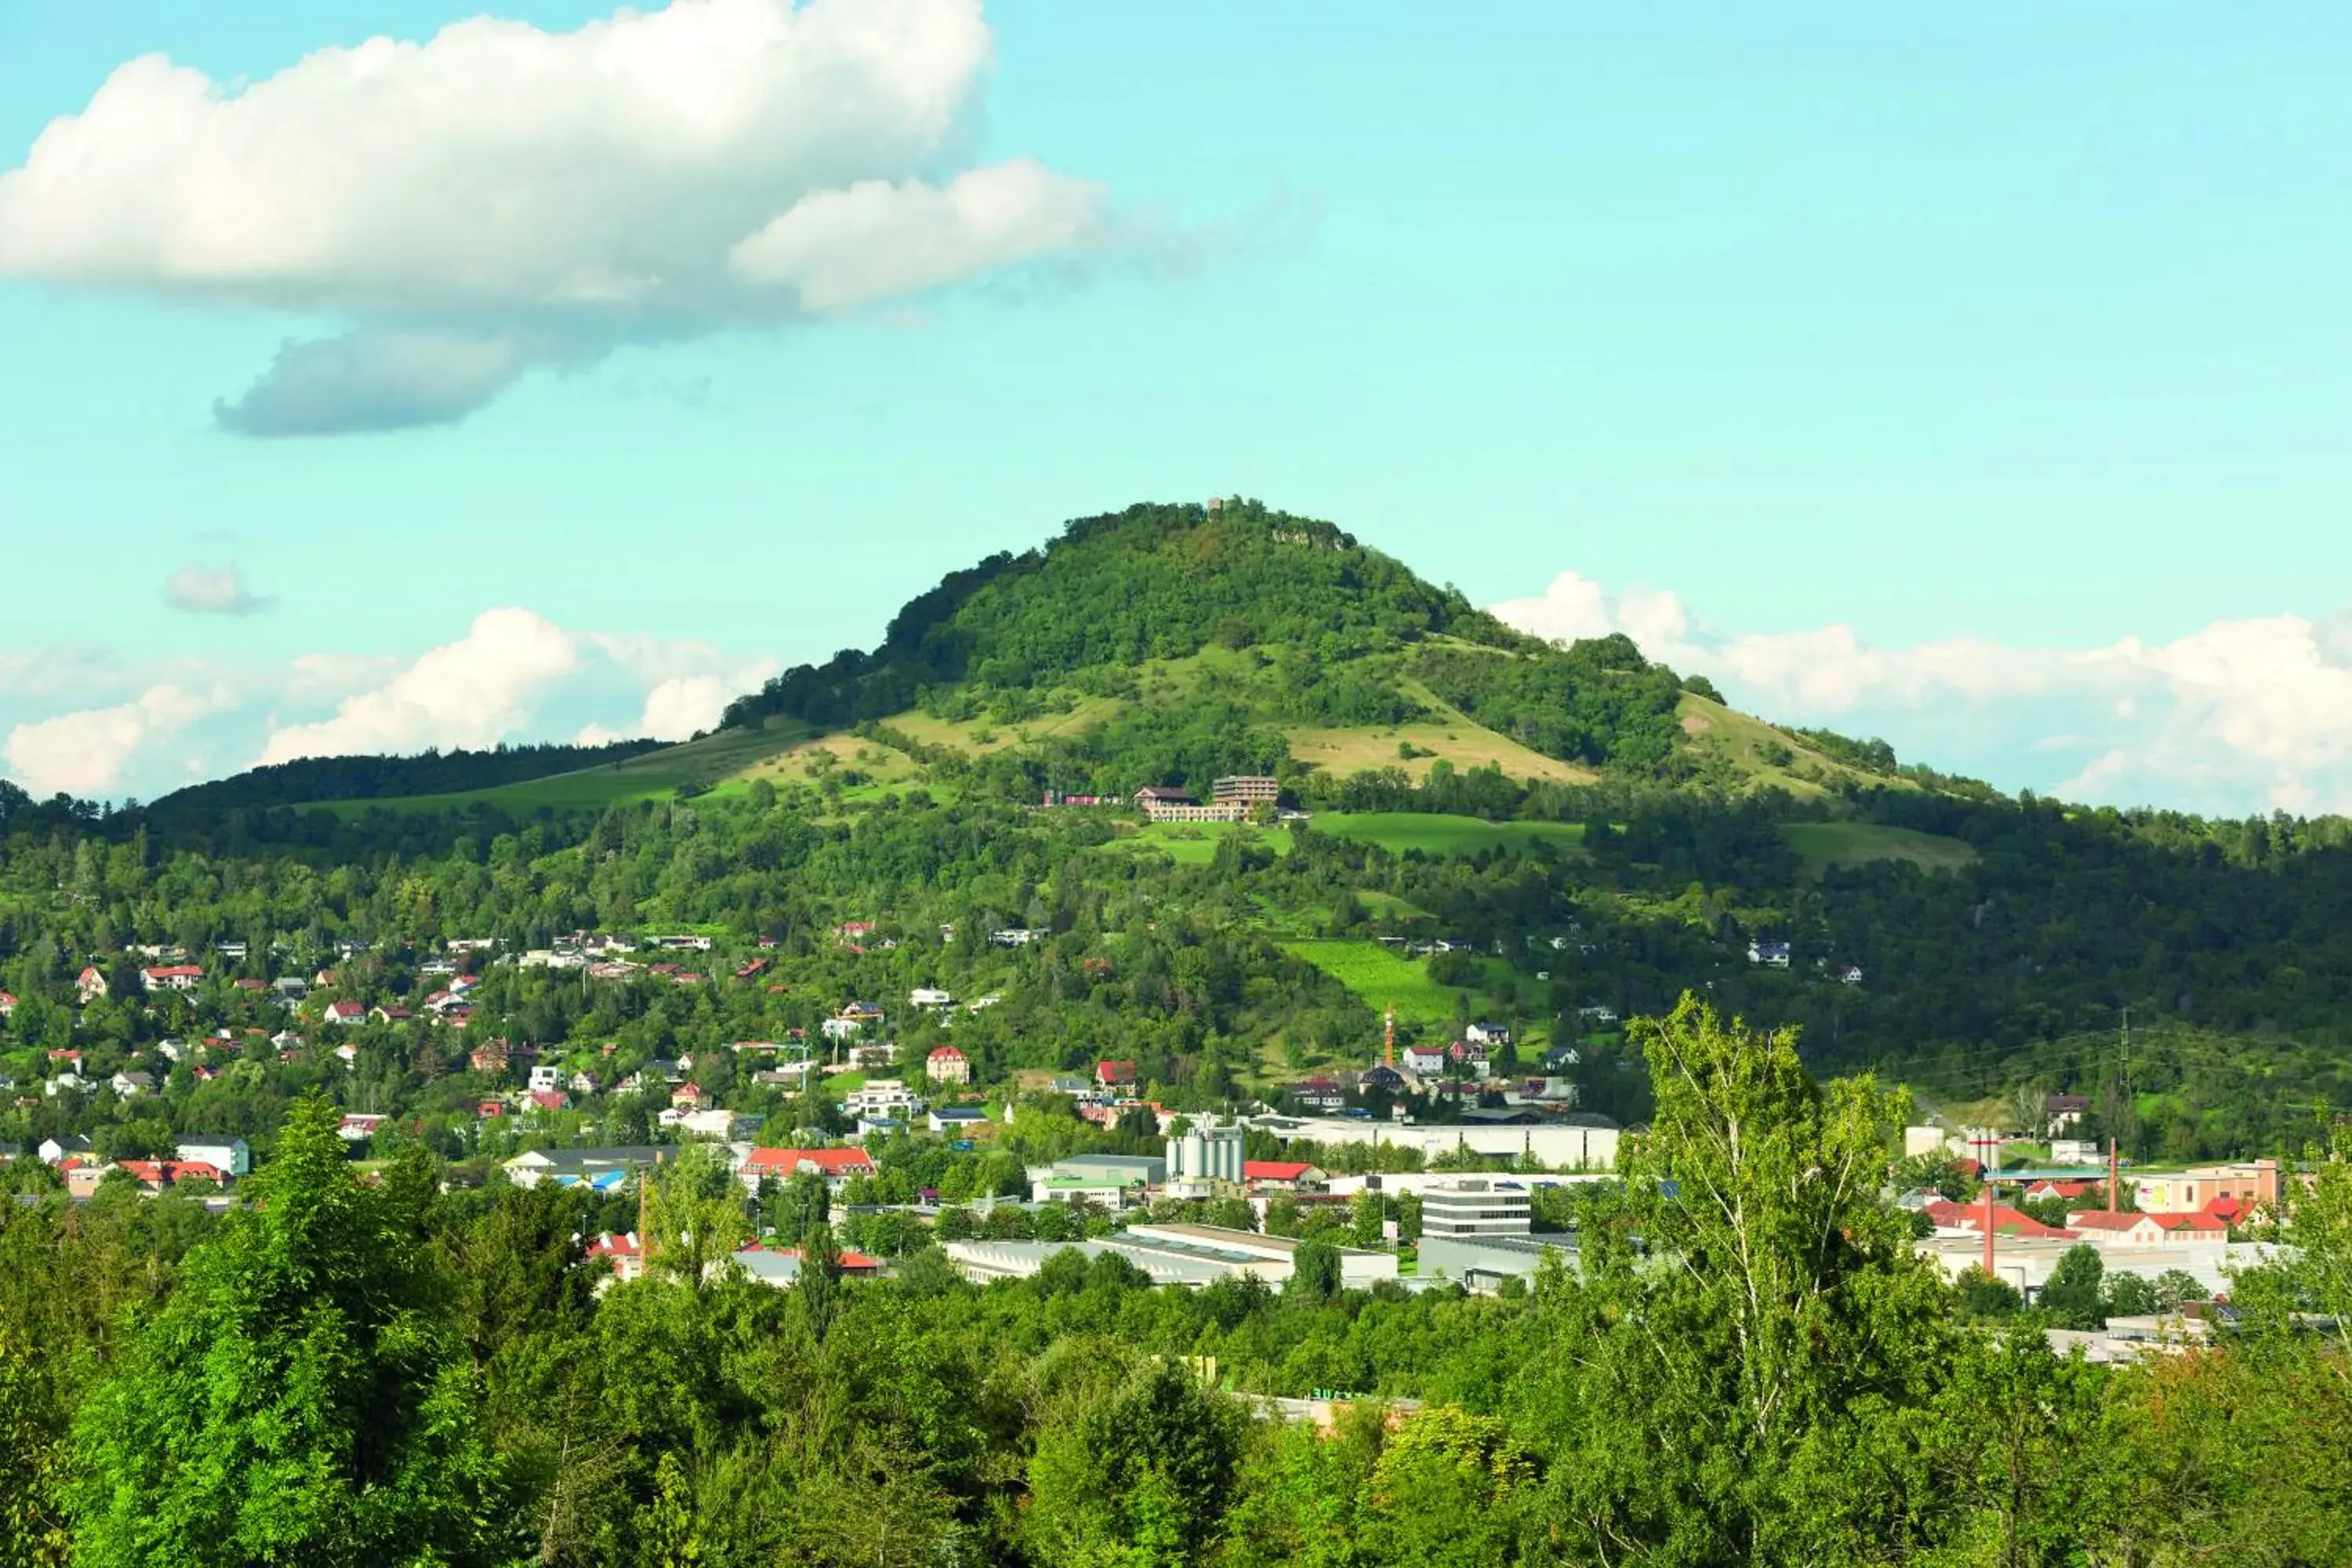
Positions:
(1973, 378)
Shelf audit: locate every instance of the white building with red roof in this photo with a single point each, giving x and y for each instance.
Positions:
(835, 1165)
(948, 1065)
(2148, 1229)
(623, 1254)
(1281, 1175)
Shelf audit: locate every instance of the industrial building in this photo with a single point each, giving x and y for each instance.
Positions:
(1189, 1255)
(1207, 1155)
(1146, 1170)
(1560, 1145)
(1481, 1263)
(1474, 1205)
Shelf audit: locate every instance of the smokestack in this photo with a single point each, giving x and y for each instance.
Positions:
(1988, 1226)
(2111, 1173)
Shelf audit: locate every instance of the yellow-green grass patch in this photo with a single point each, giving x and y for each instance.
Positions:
(1380, 976)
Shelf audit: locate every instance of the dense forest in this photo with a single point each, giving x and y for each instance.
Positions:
(389, 1371)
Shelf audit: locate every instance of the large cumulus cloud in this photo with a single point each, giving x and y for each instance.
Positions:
(500, 197)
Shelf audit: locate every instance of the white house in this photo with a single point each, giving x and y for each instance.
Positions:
(1484, 1033)
(172, 977)
(346, 1013)
(1427, 1061)
(546, 1075)
(929, 996)
(717, 1122)
(948, 1065)
(882, 1097)
(1765, 951)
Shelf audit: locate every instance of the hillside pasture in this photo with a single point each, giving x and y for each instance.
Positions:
(979, 737)
(1438, 833)
(1453, 739)
(1195, 843)
(1757, 756)
(1822, 845)
(1381, 977)
(882, 768)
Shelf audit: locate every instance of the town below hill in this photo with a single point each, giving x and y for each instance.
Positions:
(1193, 1048)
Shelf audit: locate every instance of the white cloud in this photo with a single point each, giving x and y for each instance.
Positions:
(841, 249)
(77, 720)
(211, 591)
(689, 685)
(676, 709)
(470, 693)
(506, 680)
(499, 196)
(2236, 716)
(86, 752)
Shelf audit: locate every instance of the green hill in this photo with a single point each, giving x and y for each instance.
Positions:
(1161, 645)
(1587, 831)
(1165, 644)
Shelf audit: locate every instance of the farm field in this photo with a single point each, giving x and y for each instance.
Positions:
(1454, 739)
(1435, 833)
(1195, 843)
(1380, 976)
(1820, 844)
